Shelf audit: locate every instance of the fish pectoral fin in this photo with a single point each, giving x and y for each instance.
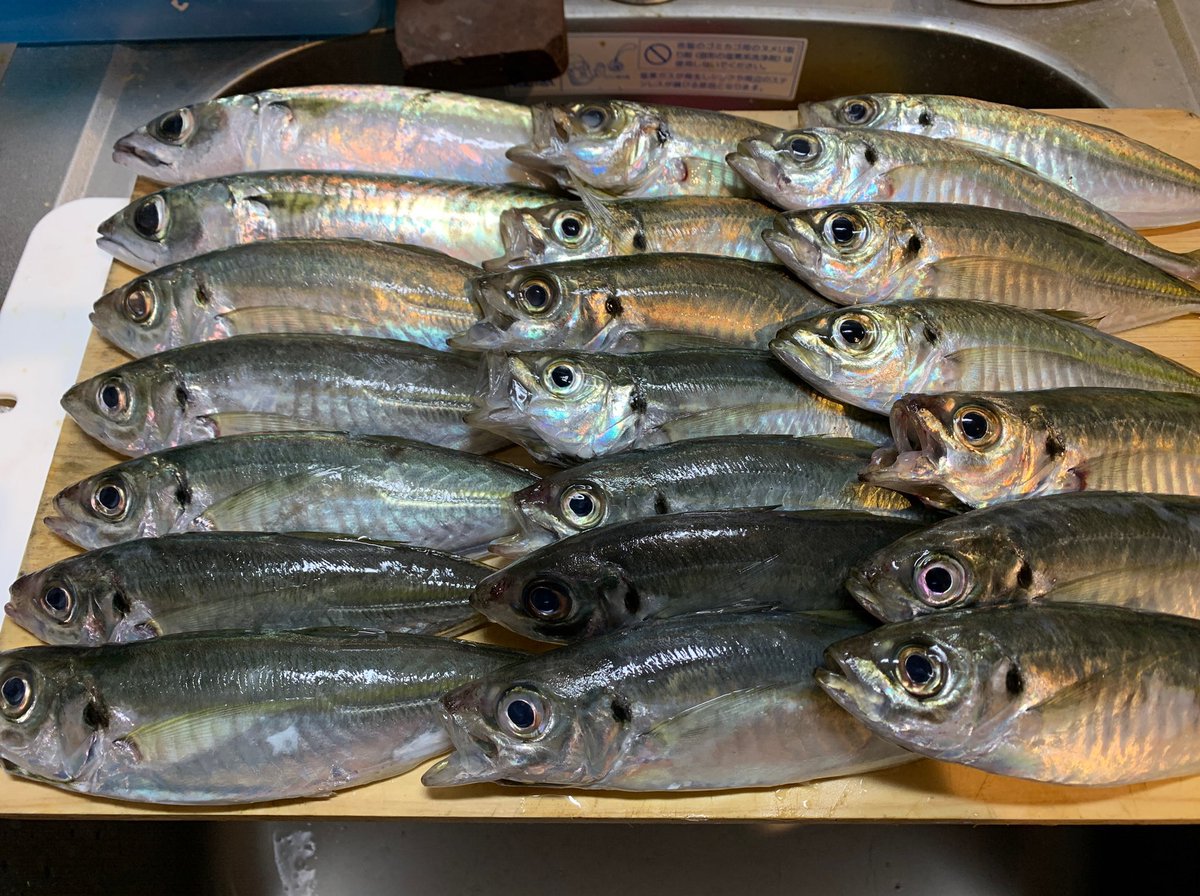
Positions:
(969, 275)
(1125, 470)
(985, 364)
(289, 319)
(711, 171)
(233, 423)
(665, 340)
(262, 505)
(696, 724)
(722, 421)
(190, 734)
(984, 150)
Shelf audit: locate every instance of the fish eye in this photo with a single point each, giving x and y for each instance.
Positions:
(582, 505)
(139, 303)
(58, 602)
(854, 333)
(16, 695)
(846, 230)
(593, 118)
(857, 111)
(562, 378)
(522, 713)
(571, 227)
(939, 580)
(110, 499)
(803, 147)
(535, 295)
(175, 127)
(921, 670)
(150, 218)
(112, 398)
(978, 426)
(546, 600)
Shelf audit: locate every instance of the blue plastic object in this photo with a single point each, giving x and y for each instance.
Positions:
(86, 21)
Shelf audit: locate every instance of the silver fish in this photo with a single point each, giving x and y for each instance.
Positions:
(232, 387)
(1063, 693)
(567, 406)
(871, 355)
(833, 166)
(696, 562)
(191, 219)
(629, 149)
(1139, 551)
(199, 581)
(567, 231)
(346, 287)
(1140, 185)
(374, 486)
(702, 702)
(718, 473)
(223, 718)
(374, 128)
(876, 251)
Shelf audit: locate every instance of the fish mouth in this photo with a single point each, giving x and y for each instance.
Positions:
(860, 586)
(522, 245)
(509, 381)
(111, 243)
(475, 758)
(128, 146)
(480, 336)
(754, 162)
(795, 243)
(800, 350)
(490, 332)
(842, 678)
(914, 463)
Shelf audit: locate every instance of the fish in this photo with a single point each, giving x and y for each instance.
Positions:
(1138, 551)
(1062, 693)
(565, 406)
(717, 473)
(253, 581)
(628, 304)
(226, 718)
(376, 128)
(379, 487)
(571, 230)
(702, 702)
(834, 166)
(871, 355)
(181, 222)
(1131, 180)
(635, 150)
(696, 562)
(982, 448)
(877, 251)
(233, 386)
(346, 287)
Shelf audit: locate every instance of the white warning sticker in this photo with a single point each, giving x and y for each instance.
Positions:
(713, 64)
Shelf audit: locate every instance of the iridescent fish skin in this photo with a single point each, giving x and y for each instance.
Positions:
(636, 150)
(1063, 693)
(376, 129)
(981, 448)
(870, 355)
(224, 718)
(1138, 551)
(191, 219)
(702, 702)
(570, 406)
(566, 231)
(346, 287)
(200, 581)
(374, 486)
(695, 562)
(1140, 185)
(872, 252)
(622, 304)
(716, 473)
(232, 386)
(834, 166)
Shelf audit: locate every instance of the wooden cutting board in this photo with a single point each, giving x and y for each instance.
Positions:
(923, 791)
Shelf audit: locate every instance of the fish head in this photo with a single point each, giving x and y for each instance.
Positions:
(848, 253)
(797, 169)
(557, 506)
(516, 728)
(76, 601)
(192, 142)
(172, 224)
(560, 231)
(560, 405)
(136, 499)
(50, 723)
(155, 312)
(864, 355)
(129, 408)
(532, 308)
(947, 568)
(613, 146)
(933, 684)
(959, 448)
